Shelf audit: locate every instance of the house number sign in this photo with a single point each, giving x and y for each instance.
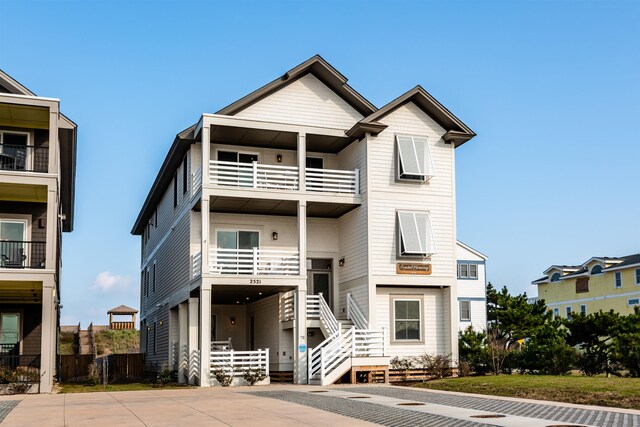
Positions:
(255, 281)
(413, 268)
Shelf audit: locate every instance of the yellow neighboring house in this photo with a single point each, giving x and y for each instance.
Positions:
(601, 283)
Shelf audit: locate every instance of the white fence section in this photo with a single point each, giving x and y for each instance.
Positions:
(196, 265)
(368, 342)
(237, 362)
(196, 181)
(253, 175)
(355, 315)
(254, 261)
(313, 306)
(332, 180)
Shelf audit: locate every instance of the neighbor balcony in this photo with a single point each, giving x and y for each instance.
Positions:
(16, 254)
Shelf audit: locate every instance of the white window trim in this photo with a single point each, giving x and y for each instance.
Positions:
(27, 220)
(426, 177)
(29, 155)
(617, 274)
(236, 230)
(633, 304)
(568, 310)
(400, 240)
(585, 309)
(636, 276)
(233, 150)
(556, 312)
(418, 298)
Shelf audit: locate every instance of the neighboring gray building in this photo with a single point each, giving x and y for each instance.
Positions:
(303, 188)
(37, 182)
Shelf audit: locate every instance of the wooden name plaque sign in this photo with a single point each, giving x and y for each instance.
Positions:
(413, 268)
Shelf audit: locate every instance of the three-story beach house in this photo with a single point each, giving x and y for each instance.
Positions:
(303, 230)
(37, 181)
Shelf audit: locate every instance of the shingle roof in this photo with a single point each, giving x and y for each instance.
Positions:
(628, 260)
(122, 309)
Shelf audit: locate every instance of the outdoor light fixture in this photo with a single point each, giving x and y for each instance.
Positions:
(232, 321)
(341, 262)
(274, 235)
(279, 158)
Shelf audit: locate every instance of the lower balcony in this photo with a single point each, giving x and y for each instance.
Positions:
(254, 262)
(19, 254)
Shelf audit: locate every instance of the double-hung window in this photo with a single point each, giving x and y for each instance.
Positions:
(617, 279)
(583, 309)
(465, 310)
(637, 276)
(569, 312)
(415, 235)
(414, 158)
(406, 319)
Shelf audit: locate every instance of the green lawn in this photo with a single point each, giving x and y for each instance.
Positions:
(82, 388)
(616, 392)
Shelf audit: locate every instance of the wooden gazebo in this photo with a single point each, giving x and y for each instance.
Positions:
(122, 310)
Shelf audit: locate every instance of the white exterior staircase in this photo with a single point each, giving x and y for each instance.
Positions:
(350, 343)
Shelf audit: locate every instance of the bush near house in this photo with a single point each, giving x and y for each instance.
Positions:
(525, 338)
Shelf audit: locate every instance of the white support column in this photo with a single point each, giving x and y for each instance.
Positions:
(183, 343)
(205, 219)
(54, 141)
(300, 329)
(302, 161)
(205, 334)
(48, 337)
(52, 228)
(300, 337)
(192, 343)
(206, 149)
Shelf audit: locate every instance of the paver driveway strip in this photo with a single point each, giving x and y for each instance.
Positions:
(565, 413)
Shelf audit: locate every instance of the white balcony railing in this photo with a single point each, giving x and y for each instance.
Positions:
(274, 177)
(235, 363)
(253, 175)
(332, 181)
(254, 261)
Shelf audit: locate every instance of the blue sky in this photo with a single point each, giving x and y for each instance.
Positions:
(551, 88)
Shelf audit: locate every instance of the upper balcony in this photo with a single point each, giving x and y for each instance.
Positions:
(286, 178)
(19, 156)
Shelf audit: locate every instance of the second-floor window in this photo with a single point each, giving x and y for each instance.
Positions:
(617, 279)
(637, 276)
(414, 158)
(467, 271)
(415, 236)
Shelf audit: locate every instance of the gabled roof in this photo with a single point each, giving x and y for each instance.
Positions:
(563, 268)
(177, 151)
(544, 279)
(618, 263)
(322, 70)
(628, 261)
(122, 309)
(457, 132)
(10, 85)
(474, 251)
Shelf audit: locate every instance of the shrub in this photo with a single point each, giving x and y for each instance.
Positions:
(164, 376)
(472, 347)
(94, 373)
(404, 364)
(7, 376)
(464, 369)
(254, 376)
(437, 366)
(224, 376)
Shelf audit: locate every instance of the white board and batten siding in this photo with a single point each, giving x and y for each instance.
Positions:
(168, 248)
(306, 101)
(387, 195)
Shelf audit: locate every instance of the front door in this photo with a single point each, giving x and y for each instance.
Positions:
(9, 333)
(321, 284)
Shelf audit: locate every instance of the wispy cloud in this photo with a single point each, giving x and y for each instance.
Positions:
(107, 282)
